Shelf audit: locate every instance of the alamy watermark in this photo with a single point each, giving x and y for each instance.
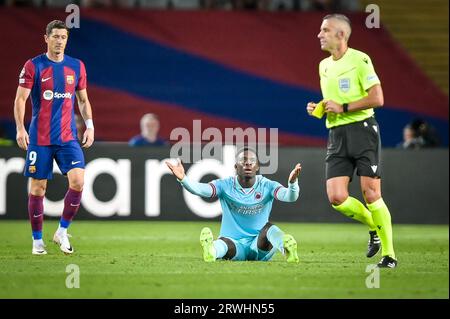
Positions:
(73, 19)
(373, 19)
(373, 279)
(208, 144)
(73, 277)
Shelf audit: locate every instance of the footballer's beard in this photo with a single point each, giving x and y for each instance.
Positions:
(57, 50)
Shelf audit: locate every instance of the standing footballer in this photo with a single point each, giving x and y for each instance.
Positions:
(351, 90)
(53, 79)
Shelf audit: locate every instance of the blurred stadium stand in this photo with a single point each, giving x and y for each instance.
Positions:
(421, 27)
(230, 69)
(303, 5)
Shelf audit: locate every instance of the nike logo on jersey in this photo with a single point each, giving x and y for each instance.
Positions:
(36, 216)
(73, 163)
(46, 79)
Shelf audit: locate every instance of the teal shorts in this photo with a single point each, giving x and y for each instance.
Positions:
(247, 249)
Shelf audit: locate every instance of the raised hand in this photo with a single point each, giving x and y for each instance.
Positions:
(177, 170)
(295, 173)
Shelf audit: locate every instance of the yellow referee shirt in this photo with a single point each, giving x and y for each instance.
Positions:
(347, 80)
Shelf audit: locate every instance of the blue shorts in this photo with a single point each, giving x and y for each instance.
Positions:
(39, 161)
(247, 249)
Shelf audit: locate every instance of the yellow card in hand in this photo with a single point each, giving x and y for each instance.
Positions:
(319, 111)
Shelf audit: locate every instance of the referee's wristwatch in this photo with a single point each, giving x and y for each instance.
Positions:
(345, 107)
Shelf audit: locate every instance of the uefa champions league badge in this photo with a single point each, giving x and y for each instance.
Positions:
(344, 85)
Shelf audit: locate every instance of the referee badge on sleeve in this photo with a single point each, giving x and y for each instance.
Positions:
(344, 84)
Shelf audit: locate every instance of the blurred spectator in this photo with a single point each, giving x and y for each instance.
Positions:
(41, 3)
(322, 5)
(216, 4)
(348, 5)
(328, 5)
(97, 3)
(283, 5)
(271, 5)
(20, 3)
(427, 132)
(411, 140)
(419, 134)
(251, 4)
(149, 132)
(169, 4)
(236, 4)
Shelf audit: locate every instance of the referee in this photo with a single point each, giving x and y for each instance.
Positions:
(351, 90)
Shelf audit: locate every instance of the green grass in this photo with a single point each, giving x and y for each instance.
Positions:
(150, 259)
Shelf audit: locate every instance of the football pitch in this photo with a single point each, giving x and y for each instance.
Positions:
(148, 259)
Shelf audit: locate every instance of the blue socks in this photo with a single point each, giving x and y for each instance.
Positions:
(37, 234)
(64, 223)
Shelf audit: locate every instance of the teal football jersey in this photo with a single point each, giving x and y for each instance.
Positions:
(245, 210)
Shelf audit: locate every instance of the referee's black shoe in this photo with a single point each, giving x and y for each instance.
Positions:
(387, 262)
(374, 244)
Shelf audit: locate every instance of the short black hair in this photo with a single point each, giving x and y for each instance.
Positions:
(55, 24)
(247, 149)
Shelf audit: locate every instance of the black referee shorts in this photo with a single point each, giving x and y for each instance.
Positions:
(355, 145)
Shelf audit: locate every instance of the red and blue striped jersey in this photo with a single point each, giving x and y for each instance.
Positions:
(53, 86)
